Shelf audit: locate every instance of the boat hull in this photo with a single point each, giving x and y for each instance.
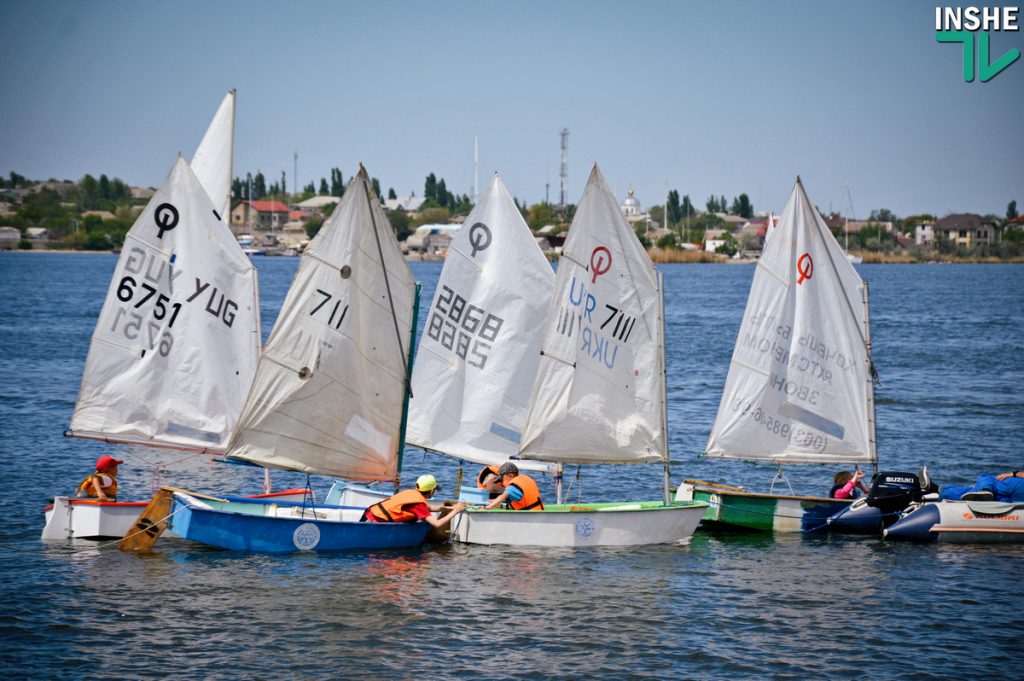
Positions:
(72, 518)
(962, 522)
(731, 508)
(285, 528)
(579, 525)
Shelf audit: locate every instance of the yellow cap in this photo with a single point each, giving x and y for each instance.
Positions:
(425, 483)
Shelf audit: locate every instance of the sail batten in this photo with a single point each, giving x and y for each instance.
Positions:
(798, 388)
(177, 341)
(598, 396)
(328, 392)
(478, 354)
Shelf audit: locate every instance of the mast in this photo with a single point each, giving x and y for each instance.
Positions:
(664, 387)
(231, 156)
(408, 390)
(872, 438)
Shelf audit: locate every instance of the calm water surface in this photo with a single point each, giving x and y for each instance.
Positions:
(949, 344)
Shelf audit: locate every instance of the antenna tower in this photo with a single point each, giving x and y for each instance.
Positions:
(564, 172)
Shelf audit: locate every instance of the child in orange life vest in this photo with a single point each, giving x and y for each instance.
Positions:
(102, 484)
(488, 479)
(411, 505)
(521, 492)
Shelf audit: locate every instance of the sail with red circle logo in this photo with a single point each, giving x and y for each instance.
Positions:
(599, 395)
(799, 385)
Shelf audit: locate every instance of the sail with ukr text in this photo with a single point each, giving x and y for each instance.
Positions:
(799, 383)
(177, 340)
(599, 392)
(480, 347)
(329, 391)
(212, 161)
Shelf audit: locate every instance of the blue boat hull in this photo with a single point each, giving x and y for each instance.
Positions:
(269, 534)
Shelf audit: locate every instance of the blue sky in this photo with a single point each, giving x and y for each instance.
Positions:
(704, 97)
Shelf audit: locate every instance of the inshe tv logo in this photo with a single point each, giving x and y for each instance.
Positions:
(962, 24)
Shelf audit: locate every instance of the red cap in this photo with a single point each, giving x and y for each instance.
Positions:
(106, 462)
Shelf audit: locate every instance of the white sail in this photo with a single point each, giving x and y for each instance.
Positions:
(799, 384)
(330, 386)
(481, 338)
(212, 161)
(600, 389)
(177, 341)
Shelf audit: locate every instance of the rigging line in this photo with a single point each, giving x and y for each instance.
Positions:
(818, 224)
(387, 286)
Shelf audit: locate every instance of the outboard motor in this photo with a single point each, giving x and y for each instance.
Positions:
(893, 491)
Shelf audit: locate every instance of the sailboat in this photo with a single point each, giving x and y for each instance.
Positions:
(179, 265)
(175, 345)
(800, 383)
(599, 392)
(329, 394)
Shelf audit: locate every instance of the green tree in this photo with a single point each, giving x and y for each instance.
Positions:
(430, 187)
(1011, 210)
(248, 187)
(90, 190)
(337, 185)
(741, 206)
(667, 241)
(391, 194)
(313, 225)
(712, 204)
(675, 211)
(104, 187)
(259, 186)
(324, 191)
(687, 208)
(641, 237)
(540, 215)
(723, 207)
(399, 220)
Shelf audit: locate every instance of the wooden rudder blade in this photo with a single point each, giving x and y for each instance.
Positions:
(150, 524)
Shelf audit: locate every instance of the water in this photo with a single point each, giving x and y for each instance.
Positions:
(949, 344)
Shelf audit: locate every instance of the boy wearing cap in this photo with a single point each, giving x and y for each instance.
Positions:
(521, 491)
(411, 505)
(102, 484)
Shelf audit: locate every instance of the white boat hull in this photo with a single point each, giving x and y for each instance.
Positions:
(70, 518)
(614, 524)
(73, 518)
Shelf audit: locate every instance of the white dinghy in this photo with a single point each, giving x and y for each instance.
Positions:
(800, 384)
(177, 341)
(599, 392)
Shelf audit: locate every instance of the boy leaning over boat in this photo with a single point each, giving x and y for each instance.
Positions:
(412, 505)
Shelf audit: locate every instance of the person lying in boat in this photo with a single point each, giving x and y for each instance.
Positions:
(1007, 487)
(488, 479)
(521, 492)
(102, 484)
(848, 485)
(411, 505)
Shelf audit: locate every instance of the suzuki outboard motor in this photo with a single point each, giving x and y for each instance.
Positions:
(891, 492)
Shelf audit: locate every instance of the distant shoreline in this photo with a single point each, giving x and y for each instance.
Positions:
(660, 257)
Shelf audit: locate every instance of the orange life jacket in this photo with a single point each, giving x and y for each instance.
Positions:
(484, 472)
(86, 486)
(393, 509)
(531, 494)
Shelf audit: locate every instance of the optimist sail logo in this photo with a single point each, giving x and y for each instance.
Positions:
(970, 25)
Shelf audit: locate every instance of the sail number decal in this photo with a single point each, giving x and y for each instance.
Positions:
(786, 429)
(600, 331)
(334, 319)
(147, 292)
(465, 329)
